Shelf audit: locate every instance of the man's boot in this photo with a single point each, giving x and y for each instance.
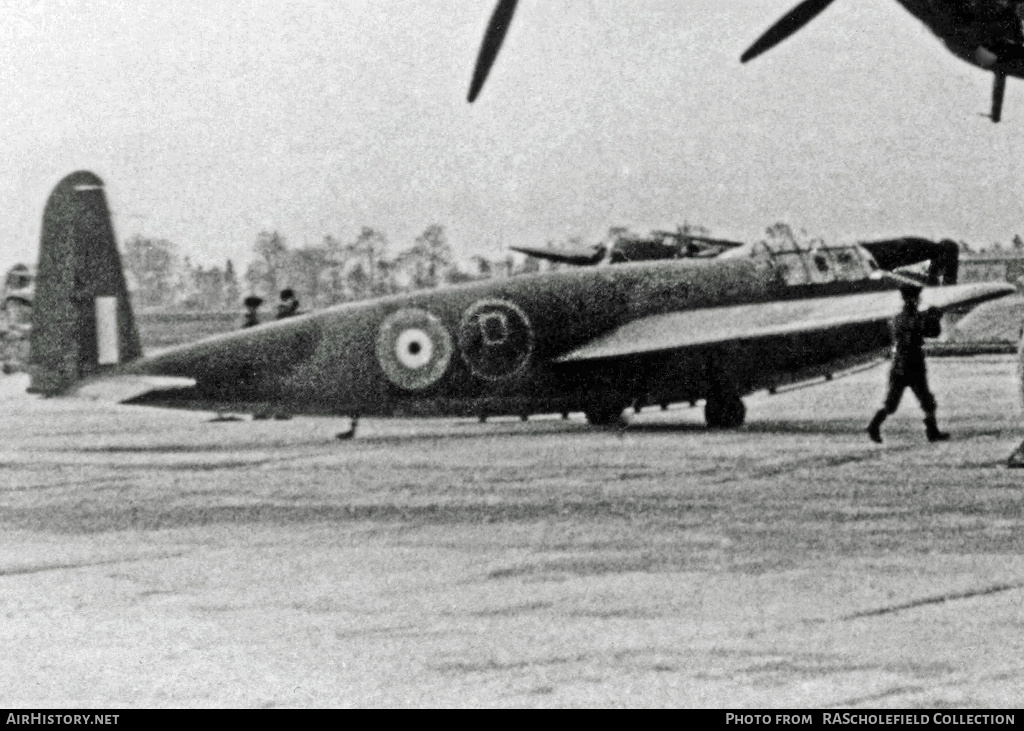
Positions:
(876, 425)
(932, 430)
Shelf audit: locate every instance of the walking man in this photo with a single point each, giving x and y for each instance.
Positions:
(908, 332)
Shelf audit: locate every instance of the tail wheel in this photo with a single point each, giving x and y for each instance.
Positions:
(724, 411)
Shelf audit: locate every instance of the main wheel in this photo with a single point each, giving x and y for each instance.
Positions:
(604, 414)
(723, 411)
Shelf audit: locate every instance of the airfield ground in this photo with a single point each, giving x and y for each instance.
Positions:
(152, 558)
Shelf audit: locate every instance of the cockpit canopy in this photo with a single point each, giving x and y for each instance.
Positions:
(796, 263)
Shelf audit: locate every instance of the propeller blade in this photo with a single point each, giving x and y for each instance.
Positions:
(998, 90)
(790, 23)
(493, 39)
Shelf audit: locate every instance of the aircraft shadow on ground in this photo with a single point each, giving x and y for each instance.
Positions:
(774, 426)
(471, 430)
(551, 428)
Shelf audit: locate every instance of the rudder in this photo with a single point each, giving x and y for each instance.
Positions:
(82, 321)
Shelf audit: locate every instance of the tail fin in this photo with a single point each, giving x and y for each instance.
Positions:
(82, 320)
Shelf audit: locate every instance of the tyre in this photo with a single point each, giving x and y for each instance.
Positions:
(605, 414)
(724, 412)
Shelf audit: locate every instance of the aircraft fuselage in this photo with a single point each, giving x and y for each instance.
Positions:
(491, 348)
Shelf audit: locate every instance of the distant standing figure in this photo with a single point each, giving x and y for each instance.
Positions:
(908, 332)
(289, 304)
(252, 315)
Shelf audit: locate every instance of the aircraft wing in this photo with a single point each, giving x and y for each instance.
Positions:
(892, 254)
(585, 257)
(704, 243)
(710, 325)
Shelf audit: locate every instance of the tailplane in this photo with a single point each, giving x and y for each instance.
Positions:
(82, 321)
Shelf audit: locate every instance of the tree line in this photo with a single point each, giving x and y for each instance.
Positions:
(322, 275)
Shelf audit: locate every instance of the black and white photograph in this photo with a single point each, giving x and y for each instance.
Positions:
(563, 354)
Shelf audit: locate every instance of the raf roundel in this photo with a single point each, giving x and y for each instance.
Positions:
(496, 339)
(414, 349)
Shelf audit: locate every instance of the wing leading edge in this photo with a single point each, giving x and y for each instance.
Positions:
(707, 326)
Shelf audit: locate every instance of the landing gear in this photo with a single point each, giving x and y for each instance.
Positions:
(724, 411)
(605, 414)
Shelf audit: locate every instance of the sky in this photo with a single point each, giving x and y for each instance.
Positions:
(211, 122)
